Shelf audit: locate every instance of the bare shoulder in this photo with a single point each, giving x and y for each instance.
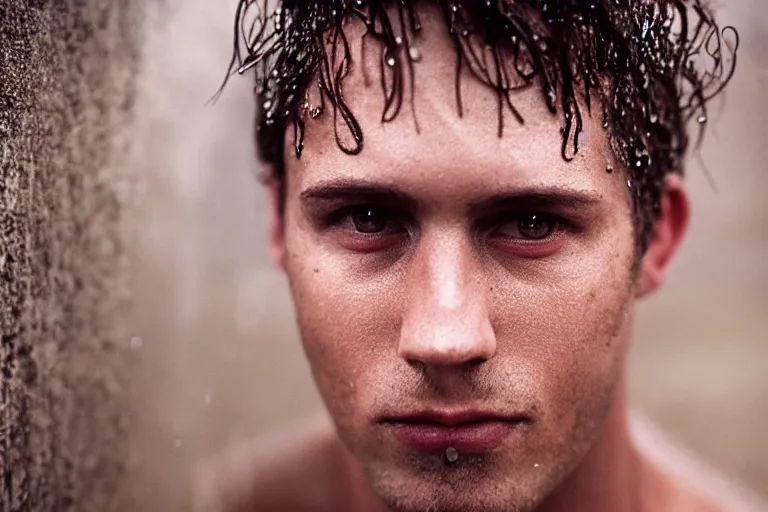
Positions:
(691, 485)
(291, 470)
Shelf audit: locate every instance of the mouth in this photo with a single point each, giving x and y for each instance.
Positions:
(467, 432)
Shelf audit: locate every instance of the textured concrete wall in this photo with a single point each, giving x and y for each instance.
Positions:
(66, 86)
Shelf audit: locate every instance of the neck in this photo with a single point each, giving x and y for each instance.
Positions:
(611, 478)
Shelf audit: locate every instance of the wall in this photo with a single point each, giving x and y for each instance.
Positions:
(66, 89)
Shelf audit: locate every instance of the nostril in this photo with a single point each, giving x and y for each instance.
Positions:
(417, 365)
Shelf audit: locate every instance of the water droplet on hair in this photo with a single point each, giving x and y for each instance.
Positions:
(654, 118)
(391, 62)
(267, 105)
(398, 40)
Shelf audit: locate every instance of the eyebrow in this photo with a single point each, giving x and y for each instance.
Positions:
(352, 189)
(538, 197)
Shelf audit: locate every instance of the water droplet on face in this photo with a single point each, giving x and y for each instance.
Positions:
(701, 119)
(207, 398)
(177, 443)
(451, 455)
(136, 342)
(398, 40)
(391, 62)
(414, 54)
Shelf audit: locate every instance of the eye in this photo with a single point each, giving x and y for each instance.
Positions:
(369, 228)
(369, 220)
(529, 226)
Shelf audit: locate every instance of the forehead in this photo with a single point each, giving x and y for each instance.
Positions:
(429, 147)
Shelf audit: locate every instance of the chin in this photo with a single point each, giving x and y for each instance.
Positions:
(473, 485)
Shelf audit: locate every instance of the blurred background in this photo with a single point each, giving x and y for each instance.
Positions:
(214, 325)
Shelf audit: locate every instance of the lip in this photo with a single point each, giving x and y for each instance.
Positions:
(469, 432)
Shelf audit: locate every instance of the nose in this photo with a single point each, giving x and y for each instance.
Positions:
(445, 320)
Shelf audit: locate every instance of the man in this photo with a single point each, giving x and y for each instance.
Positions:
(468, 198)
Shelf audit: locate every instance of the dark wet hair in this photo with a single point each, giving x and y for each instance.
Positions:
(650, 66)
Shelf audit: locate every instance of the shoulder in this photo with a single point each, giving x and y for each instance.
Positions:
(290, 470)
(697, 488)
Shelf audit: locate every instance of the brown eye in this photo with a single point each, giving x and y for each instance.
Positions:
(535, 227)
(369, 220)
(528, 227)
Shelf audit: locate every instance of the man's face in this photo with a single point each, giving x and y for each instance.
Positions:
(457, 289)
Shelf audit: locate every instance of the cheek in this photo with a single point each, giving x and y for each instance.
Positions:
(569, 330)
(349, 327)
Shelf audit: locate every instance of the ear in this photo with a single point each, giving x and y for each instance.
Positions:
(669, 232)
(276, 226)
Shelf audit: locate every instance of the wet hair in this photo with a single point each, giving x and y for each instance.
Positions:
(649, 66)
